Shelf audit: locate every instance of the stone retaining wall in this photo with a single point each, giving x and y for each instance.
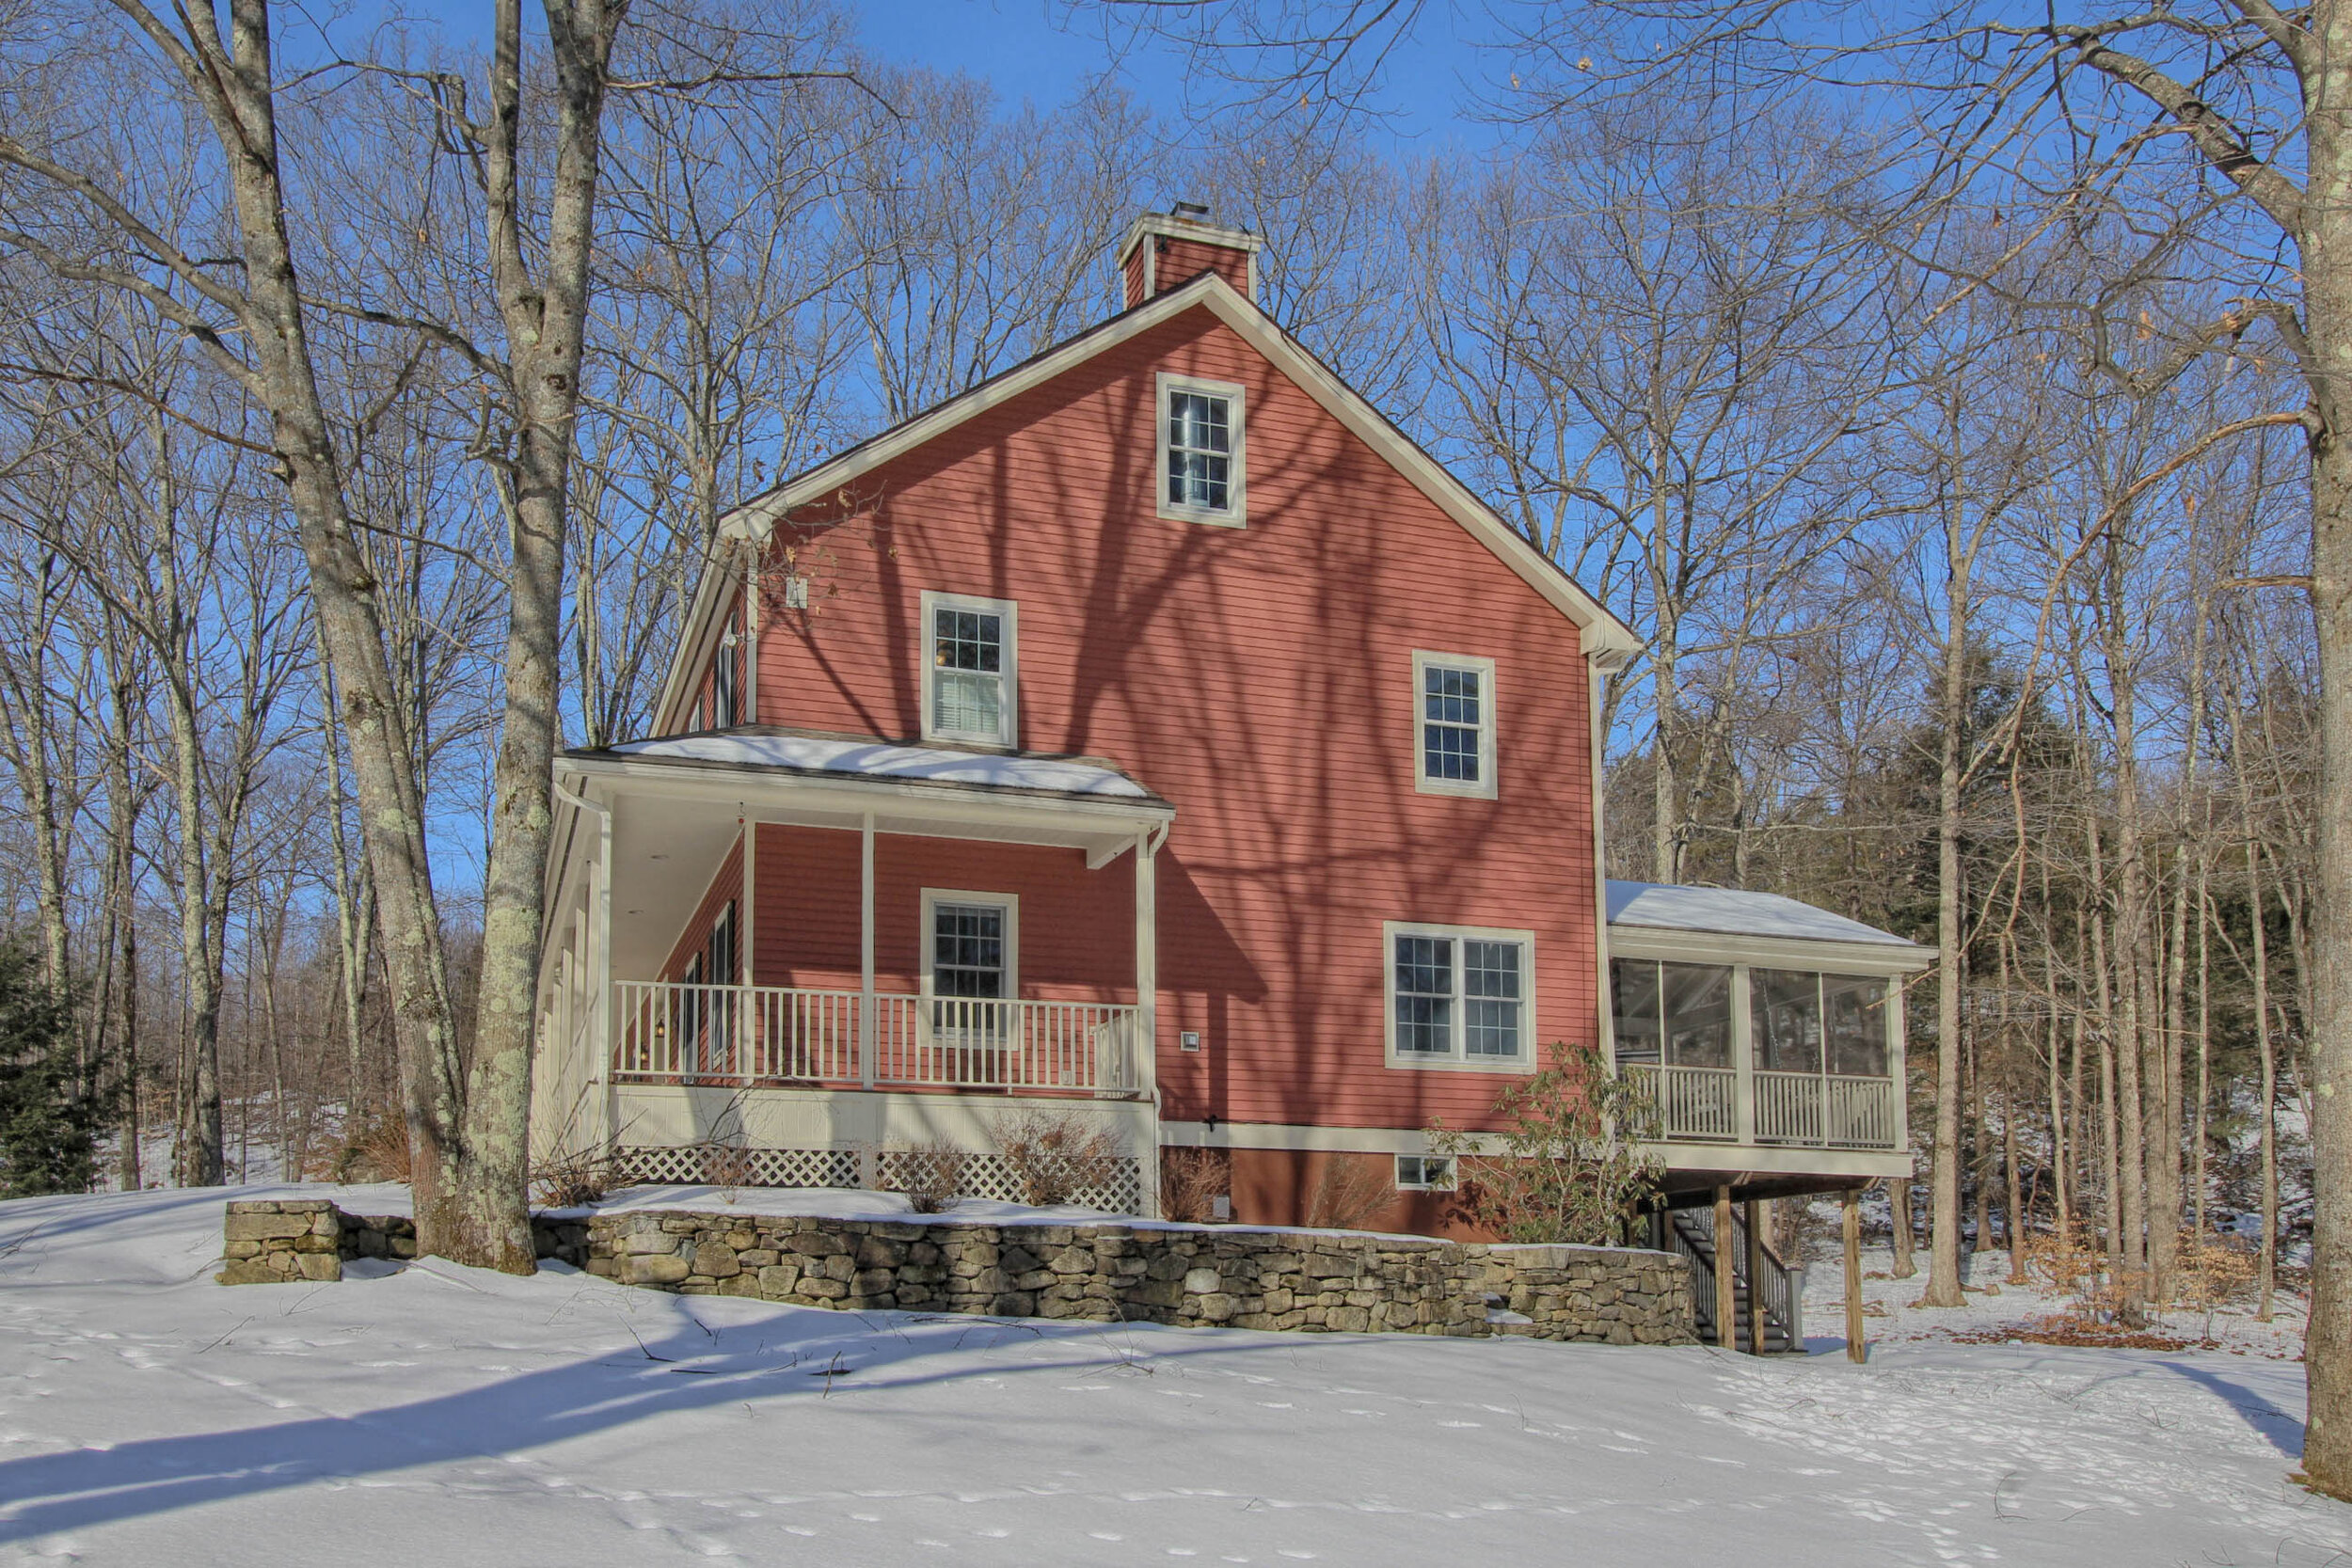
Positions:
(1314, 1281)
(283, 1241)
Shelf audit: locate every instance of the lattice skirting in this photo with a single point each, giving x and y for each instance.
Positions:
(721, 1166)
(1118, 1189)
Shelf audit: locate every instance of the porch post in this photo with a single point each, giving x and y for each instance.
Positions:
(1756, 1277)
(1727, 1286)
(747, 1016)
(1145, 1043)
(867, 1031)
(1855, 1348)
(1742, 1057)
(601, 976)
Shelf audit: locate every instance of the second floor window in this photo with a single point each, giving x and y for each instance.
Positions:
(1454, 717)
(1201, 450)
(969, 670)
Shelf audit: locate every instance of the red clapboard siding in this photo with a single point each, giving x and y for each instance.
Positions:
(1077, 941)
(1258, 677)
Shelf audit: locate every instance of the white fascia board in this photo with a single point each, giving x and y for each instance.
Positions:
(1299, 1138)
(1721, 947)
(699, 630)
(1605, 637)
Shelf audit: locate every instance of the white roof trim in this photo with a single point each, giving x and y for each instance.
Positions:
(1607, 640)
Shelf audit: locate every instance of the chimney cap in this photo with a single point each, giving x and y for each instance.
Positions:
(1183, 224)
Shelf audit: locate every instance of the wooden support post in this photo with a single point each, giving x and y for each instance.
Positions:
(1756, 1277)
(1726, 1309)
(1855, 1348)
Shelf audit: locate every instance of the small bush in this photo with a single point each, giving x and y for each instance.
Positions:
(1191, 1181)
(1572, 1166)
(374, 1148)
(1352, 1189)
(931, 1175)
(1056, 1155)
(573, 1180)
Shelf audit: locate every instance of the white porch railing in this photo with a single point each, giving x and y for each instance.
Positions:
(777, 1033)
(1804, 1109)
(1694, 1103)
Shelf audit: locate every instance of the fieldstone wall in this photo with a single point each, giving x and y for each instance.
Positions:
(1205, 1275)
(1313, 1282)
(285, 1240)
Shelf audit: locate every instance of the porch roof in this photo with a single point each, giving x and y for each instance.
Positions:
(1730, 924)
(814, 752)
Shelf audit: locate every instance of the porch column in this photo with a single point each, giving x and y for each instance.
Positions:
(867, 1031)
(606, 1113)
(1727, 1284)
(1147, 1033)
(1743, 1059)
(747, 1013)
(1855, 1348)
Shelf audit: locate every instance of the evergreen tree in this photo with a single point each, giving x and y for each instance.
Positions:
(49, 1119)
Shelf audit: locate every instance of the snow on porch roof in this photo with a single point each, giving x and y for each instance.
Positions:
(1735, 913)
(858, 757)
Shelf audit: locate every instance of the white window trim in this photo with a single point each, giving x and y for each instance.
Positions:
(1455, 1061)
(1451, 1183)
(1236, 513)
(1484, 789)
(1009, 902)
(1008, 614)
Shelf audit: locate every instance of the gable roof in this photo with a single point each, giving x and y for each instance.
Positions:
(1604, 636)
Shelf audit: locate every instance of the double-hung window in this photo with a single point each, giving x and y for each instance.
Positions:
(1454, 724)
(970, 669)
(1460, 996)
(971, 944)
(1201, 450)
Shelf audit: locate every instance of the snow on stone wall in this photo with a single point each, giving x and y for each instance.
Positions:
(1205, 1275)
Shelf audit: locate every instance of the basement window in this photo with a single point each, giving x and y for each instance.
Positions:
(1201, 452)
(1425, 1173)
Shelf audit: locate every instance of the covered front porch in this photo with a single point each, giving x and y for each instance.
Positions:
(768, 939)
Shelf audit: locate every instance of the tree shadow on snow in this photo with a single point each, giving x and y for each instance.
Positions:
(802, 1354)
(2279, 1429)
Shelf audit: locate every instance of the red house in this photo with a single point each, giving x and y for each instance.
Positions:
(1156, 738)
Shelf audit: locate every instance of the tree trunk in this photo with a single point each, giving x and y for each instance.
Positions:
(1944, 1223)
(2326, 258)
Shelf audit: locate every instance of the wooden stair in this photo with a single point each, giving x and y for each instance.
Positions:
(1692, 1233)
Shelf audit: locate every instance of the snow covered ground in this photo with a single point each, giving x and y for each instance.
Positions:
(442, 1416)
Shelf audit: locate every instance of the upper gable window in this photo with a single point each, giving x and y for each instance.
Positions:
(1454, 724)
(970, 691)
(727, 677)
(1201, 452)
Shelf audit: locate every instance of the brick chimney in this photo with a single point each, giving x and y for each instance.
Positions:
(1166, 251)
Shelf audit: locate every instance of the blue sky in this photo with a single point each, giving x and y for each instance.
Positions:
(1047, 49)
